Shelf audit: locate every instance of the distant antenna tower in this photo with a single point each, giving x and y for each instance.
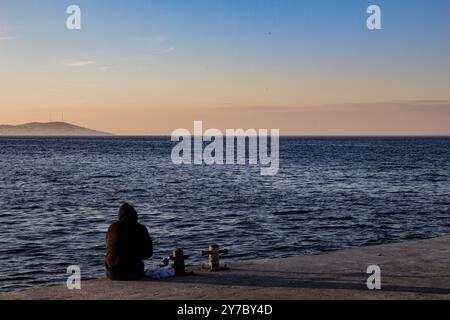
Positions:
(62, 116)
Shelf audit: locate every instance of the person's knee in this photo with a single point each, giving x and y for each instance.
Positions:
(110, 275)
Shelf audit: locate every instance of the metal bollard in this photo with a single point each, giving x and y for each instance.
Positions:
(214, 254)
(178, 257)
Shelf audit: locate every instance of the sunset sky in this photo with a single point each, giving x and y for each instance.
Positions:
(306, 67)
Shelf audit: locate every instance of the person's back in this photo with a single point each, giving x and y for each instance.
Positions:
(128, 243)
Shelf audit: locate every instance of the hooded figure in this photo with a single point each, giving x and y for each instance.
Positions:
(128, 243)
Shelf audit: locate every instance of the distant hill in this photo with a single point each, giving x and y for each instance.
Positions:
(49, 129)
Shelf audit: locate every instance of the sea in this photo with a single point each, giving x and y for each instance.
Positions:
(59, 195)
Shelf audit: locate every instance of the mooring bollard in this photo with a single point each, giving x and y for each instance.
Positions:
(214, 258)
(178, 257)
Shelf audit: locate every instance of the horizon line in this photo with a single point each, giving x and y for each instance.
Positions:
(112, 135)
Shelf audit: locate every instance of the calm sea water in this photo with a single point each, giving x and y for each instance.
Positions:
(58, 196)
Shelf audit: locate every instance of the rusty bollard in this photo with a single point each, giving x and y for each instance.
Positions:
(178, 257)
(213, 254)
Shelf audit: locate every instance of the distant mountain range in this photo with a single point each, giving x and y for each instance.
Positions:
(49, 129)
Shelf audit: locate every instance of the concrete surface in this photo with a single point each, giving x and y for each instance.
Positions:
(410, 270)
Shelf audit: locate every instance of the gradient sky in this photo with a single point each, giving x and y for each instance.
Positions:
(306, 67)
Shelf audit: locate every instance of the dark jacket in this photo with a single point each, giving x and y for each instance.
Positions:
(128, 243)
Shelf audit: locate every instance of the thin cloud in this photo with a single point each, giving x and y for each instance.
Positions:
(163, 50)
(160, 45)
(105, 68)
(6, 33)
(73, 63)
(158, 39)
(5, 36)
(170, 49)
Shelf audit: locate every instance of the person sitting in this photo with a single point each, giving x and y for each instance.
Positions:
(127, 244)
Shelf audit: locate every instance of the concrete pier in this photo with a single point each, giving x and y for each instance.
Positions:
(409, 270)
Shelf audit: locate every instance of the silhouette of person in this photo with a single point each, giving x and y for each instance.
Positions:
(127, 244)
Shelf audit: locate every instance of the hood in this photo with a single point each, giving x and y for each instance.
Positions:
(127, 213)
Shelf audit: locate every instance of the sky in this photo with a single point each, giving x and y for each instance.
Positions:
(305, 67)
